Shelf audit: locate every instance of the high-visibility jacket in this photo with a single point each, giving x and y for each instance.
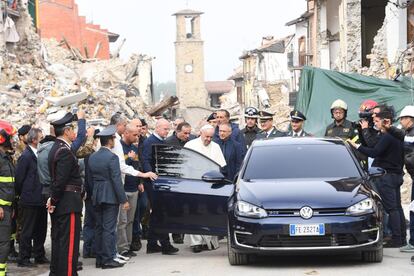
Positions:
(7, 194)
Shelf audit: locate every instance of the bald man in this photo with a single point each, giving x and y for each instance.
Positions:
(162, 128)
(131, 183)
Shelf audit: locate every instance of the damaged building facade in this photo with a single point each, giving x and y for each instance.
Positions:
(355, 36)
(39, 76)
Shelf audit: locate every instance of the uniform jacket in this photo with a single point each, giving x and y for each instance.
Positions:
(7, 192)
(64, 170)
(251, 134)
(344, 131)
(28, 186)
(233, 154)
(302, 134)
(105, 174)
(275, 133)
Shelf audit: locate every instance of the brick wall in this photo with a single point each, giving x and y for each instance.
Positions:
(60, 18)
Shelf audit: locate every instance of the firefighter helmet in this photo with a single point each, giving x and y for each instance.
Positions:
(339, 104)
(251, 112)
(7, 131)
(368, 106)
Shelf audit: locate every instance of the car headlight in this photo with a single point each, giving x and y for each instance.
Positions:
(363, 207)
(244, 209)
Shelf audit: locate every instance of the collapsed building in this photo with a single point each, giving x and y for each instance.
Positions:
(39, 76)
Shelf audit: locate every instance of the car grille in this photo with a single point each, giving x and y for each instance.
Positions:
(295, 212)
(307, 241)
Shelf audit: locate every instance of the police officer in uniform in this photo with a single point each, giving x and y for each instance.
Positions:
(297, 119)
(65, 202)
(340, 127)
(251, 131)
(7, 193)
(266, 124)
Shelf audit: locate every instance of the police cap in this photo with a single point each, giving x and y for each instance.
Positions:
(265, 115)
(66, 120)
(212, 116)
(297, 115)
(108, 131)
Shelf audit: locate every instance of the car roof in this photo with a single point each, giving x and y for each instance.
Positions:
(297, 141)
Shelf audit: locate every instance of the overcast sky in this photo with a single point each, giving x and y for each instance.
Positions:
(227, 27)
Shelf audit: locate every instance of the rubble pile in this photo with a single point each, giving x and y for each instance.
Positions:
(51, 78)
(279, 103)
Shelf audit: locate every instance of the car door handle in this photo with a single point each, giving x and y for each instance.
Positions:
(163, 187)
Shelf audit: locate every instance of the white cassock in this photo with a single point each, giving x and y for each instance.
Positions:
(213, 152)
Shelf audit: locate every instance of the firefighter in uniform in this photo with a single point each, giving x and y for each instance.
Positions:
(7, 195)
(297, 119)
(340, 127)
(251, 131)
(65, 202)
(266, 124)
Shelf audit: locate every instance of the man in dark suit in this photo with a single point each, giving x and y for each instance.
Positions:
(181, 135)
(266, 124)
(232, 151)
(31, 203)
(65, 202)
(297, 119)
(108, 193)
(223, 117)
(162, 128)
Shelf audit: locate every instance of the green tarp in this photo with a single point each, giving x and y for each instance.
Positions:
(319, 88)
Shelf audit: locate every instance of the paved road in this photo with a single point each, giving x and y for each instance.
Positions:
(215, 263)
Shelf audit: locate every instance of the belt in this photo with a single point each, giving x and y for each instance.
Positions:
(73, 188)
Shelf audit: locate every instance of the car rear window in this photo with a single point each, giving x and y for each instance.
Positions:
(300, 161)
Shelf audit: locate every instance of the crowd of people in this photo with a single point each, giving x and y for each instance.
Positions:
(107, 175)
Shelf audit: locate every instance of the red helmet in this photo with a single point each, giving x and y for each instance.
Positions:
(7, 131)
(368, 106)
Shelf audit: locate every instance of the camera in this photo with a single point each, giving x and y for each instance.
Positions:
(366, 116)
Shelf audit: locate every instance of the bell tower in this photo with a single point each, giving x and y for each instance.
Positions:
(189, 60)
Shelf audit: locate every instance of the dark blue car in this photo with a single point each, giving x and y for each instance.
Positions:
(291, 196)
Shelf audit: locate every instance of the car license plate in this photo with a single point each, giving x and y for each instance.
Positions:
(307, 229)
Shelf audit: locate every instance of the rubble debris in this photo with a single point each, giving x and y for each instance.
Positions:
(49, 76)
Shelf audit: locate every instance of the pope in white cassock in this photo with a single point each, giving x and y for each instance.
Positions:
(206, 147)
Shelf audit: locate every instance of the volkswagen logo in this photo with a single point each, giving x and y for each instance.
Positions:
(306, 212)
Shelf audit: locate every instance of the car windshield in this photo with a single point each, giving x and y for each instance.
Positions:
(300, 161)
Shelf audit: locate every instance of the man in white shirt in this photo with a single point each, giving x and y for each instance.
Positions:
(210, 149)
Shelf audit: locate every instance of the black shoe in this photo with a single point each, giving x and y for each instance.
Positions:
(153, 249)
(111, 264)
(89, 256)
(136, 244)
(169, 250)
(129, 254)
(26, 263)
(98, 265)
(42, 260)
(412, 260)
(197, 248)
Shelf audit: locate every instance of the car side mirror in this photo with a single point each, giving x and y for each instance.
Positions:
(214, 177)
(376, 172)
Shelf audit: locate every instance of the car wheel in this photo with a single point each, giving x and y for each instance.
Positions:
(235, 258)
(373, 256)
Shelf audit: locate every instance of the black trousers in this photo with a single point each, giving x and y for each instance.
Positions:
(5, 232)
(33, 227)
(65, 244)
(153, 236)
